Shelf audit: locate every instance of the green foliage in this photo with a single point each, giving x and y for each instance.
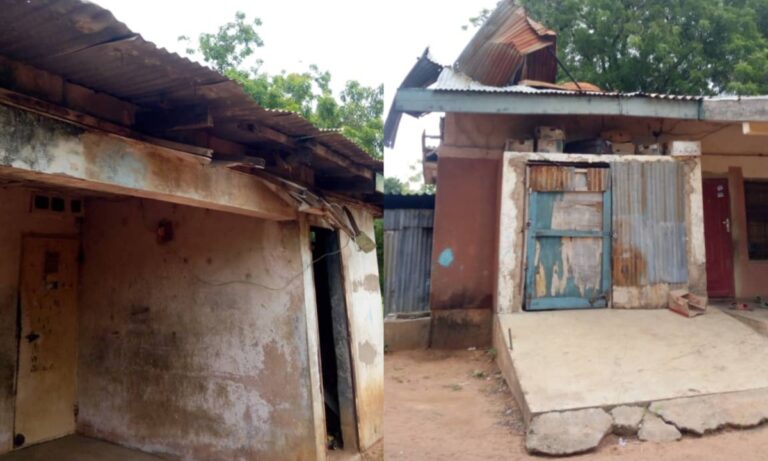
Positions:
(394, 186)
(674, 46)
(356, 112)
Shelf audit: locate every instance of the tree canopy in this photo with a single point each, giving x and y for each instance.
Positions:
(357, 110)
(664, 46)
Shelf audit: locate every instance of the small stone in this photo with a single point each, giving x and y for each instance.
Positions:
(654, 429)
(567, 433)
(626, 419)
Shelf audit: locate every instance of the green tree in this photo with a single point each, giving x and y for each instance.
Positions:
(394, 186)
(356, 112)
(665, 46)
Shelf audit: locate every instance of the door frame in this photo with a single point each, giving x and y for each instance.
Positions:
(532, 233)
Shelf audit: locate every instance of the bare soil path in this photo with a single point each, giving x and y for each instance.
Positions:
(454, 405)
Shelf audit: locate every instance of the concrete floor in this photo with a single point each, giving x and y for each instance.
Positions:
(602, 358)
(756, 318)
(78, 448)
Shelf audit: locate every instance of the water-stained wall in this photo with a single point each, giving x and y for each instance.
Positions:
(195, 347)
(16, 220)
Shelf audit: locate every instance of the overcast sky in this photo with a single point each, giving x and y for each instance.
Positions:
(373, 42)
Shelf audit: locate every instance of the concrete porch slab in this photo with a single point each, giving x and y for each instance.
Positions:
(78, 448)
(566, 360)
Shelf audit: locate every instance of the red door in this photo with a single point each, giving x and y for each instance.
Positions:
(717, 235)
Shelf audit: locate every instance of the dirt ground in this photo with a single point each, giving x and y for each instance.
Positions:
(454, 405)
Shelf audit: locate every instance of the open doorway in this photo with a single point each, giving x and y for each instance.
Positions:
(336, 364)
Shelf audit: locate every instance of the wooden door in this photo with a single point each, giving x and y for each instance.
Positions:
(568, 238)
(46, 393)
(717, 236)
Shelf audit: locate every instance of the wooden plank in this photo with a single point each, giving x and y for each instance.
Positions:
(47, 370)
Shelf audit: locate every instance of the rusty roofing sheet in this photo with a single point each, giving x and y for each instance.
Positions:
(504, 49)
(648, 223)
(85, 44)
(450, 80)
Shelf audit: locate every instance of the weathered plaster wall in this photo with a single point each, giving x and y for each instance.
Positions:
(15, 221)
(35, 147)
(749, 275)
(196, 347)
(366, 324)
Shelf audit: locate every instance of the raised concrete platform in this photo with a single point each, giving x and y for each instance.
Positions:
(567, 360)
(755, 318)
(78, 448)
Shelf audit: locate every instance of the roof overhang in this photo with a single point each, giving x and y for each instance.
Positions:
(421, 100)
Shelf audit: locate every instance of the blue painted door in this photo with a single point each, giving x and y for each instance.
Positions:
(568, 241)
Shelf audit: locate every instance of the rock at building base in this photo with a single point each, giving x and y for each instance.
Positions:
(569, 432)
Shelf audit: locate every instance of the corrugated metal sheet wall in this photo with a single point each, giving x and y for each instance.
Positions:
(649, 224)
(407, 259)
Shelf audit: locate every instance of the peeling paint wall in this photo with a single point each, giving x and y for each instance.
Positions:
(366, 323)
(15, 221)
(196, 347)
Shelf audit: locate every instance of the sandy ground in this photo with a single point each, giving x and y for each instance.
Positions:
(442, 405)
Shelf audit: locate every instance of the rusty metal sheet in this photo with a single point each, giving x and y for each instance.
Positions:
(504, 49)
(649, 224)
(86, 45)
(546, 178)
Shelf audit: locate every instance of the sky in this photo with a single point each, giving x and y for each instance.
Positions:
(372, 42)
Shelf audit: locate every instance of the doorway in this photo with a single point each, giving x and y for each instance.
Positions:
(335, 354)
(47, 340)
(717, 233)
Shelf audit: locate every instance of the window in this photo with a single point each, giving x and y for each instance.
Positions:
(756, 200)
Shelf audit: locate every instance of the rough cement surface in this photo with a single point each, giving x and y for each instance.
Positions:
(626, 419)
(711, 412)
(568, 432)
(654, 429)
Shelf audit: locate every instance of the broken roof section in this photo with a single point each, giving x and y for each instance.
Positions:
(510, 47)
(85, 44)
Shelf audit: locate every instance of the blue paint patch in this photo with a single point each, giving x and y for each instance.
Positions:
(446, 258)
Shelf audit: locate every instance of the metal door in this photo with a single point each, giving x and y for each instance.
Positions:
(45, 399)
(568, 240)
(717, 237)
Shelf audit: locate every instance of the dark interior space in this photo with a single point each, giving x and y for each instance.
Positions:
(331, 317)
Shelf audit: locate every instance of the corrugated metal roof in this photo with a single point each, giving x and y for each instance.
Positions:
(86, 45)
(504, 49)
(451, 80)
(423, 73)
(409, 201)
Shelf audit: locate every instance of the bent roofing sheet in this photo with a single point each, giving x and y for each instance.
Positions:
(506, 43)
(86, 45)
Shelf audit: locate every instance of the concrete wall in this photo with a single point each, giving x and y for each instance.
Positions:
(749, 275)
(15, 221)
(196, 347)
